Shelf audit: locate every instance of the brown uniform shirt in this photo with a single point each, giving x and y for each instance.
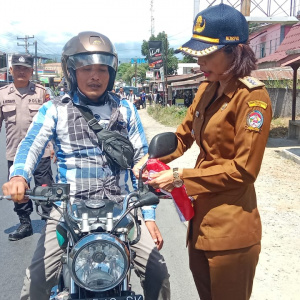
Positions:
(232, 134)
(18, 110)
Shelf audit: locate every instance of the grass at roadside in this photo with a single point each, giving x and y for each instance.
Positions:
(173, 116)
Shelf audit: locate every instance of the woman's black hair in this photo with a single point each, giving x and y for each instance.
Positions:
(243, 60)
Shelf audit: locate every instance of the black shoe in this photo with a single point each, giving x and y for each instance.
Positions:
(24, 230)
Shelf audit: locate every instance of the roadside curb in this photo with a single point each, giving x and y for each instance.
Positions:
(291, 153)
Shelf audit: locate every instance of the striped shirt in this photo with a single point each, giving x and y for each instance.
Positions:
(80, 161)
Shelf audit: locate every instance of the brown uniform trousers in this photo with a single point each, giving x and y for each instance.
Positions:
(224, 235)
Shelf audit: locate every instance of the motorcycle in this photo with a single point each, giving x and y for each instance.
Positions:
(97, 236)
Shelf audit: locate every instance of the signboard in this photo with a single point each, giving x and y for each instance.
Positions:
(162, 74)
(155, 54)
(139, 61)
(149, 74)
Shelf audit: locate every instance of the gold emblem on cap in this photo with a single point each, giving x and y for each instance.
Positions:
(232, 38)
(199, 27)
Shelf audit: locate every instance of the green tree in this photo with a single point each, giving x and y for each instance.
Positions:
(168, 53)
(122, 70)
(188, 59)
(126, 72)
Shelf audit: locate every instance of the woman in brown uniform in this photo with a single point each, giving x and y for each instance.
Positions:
(229, 119)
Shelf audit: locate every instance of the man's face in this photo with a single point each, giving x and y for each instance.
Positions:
(121, 90)
(21, 75)
(92, 80)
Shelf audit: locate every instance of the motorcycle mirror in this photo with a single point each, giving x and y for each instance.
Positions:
(162, 144)
(146, 199)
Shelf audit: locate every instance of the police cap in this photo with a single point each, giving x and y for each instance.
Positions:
(214, 28)
(22, 60)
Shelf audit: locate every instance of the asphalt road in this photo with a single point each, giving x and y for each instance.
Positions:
(16, 256)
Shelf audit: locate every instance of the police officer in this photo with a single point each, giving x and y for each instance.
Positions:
(19, 102)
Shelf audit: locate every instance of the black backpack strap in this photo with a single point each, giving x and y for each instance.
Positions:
(91, 120)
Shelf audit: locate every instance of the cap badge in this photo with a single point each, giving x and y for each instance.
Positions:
(255, 120)
(21, 59)
(199, 27)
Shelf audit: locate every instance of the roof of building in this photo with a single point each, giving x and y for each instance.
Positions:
(290, 42)
(274, 73)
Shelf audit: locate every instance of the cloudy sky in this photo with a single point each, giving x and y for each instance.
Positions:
(126, 22)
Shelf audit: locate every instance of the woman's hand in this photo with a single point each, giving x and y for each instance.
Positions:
(16, 188)
(162, 180)
(137, 167)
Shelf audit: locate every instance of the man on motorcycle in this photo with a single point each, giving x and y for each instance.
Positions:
(89, 62)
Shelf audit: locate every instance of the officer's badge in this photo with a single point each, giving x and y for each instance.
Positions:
(21, 59)
(255, 120)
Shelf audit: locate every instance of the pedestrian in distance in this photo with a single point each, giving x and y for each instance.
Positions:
(229, 120)
(150, 98)
(132, 98)
(19, 102)
(143, 99)
(89, 62)
(122, 93)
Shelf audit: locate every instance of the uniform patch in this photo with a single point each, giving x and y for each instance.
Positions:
(258, 103)
(255, 120)
(251, 82)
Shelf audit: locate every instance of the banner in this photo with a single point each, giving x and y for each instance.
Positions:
(155, 54)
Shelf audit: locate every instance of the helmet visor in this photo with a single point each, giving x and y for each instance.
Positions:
(80, 60)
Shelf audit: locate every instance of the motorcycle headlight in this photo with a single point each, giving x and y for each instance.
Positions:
(99, 262)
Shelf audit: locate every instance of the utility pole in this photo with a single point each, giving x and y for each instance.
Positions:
(36, 61)
(26, 43)
(165, 61)
(135, 71)
(152, 18)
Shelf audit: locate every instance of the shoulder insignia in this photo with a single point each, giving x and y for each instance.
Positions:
(255, 120)
(251, 82)
(258, 103)
(39, 86)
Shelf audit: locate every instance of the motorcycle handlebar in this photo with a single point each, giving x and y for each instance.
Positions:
(56, 192)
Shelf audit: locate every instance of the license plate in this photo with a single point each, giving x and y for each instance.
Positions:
(134, 297)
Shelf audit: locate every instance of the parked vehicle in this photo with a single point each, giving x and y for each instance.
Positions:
(97, 235)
